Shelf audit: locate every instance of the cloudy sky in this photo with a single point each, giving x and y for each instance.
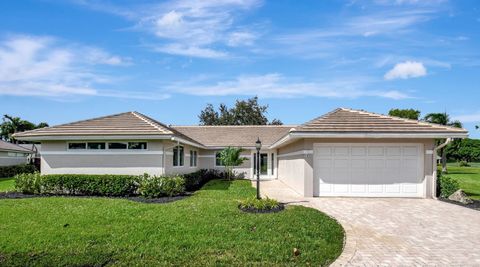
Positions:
(62, 60)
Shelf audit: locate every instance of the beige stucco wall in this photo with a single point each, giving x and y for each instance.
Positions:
(186, 168)
(56, 159)
(293, 169)
(6, 160)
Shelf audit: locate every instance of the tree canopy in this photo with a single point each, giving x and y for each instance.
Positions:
(245, 112)
(464, 149)
(443, 119)
(13, 125)
(411, 114)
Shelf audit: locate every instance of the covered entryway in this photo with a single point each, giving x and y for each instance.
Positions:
(369, 169)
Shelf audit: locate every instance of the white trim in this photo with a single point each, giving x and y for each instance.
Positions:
(102, 152)
(93, 137)
(296, 135)
(301, 152)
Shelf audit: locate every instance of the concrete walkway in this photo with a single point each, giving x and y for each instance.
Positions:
(394, 231)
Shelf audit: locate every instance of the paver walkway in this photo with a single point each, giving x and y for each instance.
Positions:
(394, 231)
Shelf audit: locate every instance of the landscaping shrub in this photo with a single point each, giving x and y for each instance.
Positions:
(28, 183)
(160, 186)
(254, 204)
(195, 180)
(10, 171)
(463, 163)
(448, 186)
(77, 184)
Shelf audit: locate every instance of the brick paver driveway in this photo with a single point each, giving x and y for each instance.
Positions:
(396, 232)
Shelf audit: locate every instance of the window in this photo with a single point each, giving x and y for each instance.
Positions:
(273, 163)
(96, 145)
(193, 158)
(77, 145)
(17, 155)
(218, 160)
(137, 145)
(117, 145)
(178, 156)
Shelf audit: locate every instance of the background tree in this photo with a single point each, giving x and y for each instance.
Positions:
(465, 149)
(230, 157)
(443, 119)
(13, 125)
(245, 112)
(411, 114)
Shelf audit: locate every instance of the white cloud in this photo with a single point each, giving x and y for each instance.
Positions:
(276, 85)
(188, 27)
(473, 117)
(43, 66)
(406, 70)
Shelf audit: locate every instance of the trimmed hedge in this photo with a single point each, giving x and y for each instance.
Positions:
(161, 186)
(10, 171)
(448, 186)
(195, 180)
(77, 184)
(114, 185)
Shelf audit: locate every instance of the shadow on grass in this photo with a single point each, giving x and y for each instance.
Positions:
(217, 185)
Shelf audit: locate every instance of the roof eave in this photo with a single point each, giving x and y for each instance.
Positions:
(91, 137)
(297, 135)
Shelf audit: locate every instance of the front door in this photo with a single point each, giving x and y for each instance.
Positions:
(263, 164)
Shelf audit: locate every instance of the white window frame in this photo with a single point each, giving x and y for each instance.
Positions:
(106, 146)
(179, 157)
(215, 159)
(193, 158)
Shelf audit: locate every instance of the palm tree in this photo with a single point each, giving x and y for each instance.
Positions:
(13, 125)
(442, 119)
(230, 157)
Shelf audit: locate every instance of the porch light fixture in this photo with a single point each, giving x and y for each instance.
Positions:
(258, 146)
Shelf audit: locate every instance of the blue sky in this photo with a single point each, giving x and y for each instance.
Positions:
(62, 61)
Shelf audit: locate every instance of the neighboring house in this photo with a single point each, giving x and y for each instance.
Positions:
(11, 154)
(342, 153)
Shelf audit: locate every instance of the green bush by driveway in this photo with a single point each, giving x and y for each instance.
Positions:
(467, 177)
(205, 229)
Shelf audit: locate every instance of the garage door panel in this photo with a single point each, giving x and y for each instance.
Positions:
(370, 170)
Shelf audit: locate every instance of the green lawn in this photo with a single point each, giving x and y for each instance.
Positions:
(6, 184)
(205, 229)
(468, 177)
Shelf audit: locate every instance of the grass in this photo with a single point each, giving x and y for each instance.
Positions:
(468, 177)
(6, 184)
(204, 229)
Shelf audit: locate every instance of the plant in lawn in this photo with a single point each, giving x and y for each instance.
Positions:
(161, 186)
(263, 204)
(230, 157)
(448, 186)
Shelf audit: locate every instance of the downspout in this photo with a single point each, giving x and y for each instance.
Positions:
(435, 149)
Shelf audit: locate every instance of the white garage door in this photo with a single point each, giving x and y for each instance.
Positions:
(369, 170)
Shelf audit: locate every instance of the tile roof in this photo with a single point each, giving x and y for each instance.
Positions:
(6, 146)
(343, 120)
(238, 136)
(127, 123)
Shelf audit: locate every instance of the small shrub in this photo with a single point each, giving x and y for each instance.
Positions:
(448, 186)
(161, 186)
(28, 183)
(195, 180)
(264, 204)
(463, 163)
(10, 171)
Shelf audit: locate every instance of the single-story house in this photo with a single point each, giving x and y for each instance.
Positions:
(342, 153)
(12, 154)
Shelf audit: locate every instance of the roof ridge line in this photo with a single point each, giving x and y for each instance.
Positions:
(207, 126)
(149, 121)
(406, 120)
(320, 117)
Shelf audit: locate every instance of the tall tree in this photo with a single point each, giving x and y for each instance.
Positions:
(443, 119)
(245, 112)
(13, 125)
(411, 114)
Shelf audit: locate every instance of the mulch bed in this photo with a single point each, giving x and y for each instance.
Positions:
(475, 205)
(253, 210)
(161, 200)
